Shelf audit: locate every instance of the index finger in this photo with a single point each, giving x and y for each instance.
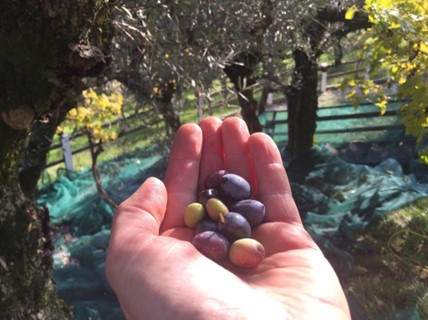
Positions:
(181, 177)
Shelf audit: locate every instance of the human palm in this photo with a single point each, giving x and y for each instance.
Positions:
(158, 274)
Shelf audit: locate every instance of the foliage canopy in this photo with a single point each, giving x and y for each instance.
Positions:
(397, 42)
(93, 114)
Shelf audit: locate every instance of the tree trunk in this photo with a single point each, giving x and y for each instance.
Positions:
(240, 75)
(302, 102)
(163, 103)
(26, 287)
(34, 157)
(166, 107)
(302, 96)
(47, 48)
(249, 108)
(170, 116)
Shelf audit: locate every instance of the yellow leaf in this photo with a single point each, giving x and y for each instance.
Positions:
(382, 105)
(351, 94)
(72, 112)
(394, 68)
(394, 25)
(423, 158)
(386, 4)
(368, 4)
(96, 130)
(349, 15)
(59, 130)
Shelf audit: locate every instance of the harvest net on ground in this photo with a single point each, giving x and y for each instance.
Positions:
(335, 198)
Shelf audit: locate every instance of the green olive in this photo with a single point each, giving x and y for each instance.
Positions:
(216, 209)
(194, 213)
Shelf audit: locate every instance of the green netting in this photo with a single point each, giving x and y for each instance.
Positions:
(334, 197)
(81, 222)
(78, 192)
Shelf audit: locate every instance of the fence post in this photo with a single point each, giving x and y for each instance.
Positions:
(67, 152)
(323, 68)
(367, 73)
(269, 100)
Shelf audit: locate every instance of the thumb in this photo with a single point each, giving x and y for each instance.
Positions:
(144, 210)
(136, 220)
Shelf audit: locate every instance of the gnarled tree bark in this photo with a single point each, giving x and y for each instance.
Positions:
(302, 95)
(47, 49)
(302, 102)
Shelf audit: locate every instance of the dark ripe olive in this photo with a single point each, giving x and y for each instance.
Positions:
(214, 179)
(211, 244)
(223, 218)
(234, 187)
(252, 210)
(206, 225)
(206, 194)
(234, 226)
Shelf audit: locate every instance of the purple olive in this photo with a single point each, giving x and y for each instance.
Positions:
(207, 194)
(234, 226)
(214, 179)
(252, 210)
(234, 187)
(206, 225)
(211, 244)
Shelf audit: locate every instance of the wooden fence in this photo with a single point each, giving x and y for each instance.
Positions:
(66, 141)
(361, 135)
(343, 124)
(205, 105)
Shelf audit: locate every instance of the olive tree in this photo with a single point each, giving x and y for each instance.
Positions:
(47, 49)
(272, 44)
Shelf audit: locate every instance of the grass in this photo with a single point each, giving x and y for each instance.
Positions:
(394, 274)
(332, 98)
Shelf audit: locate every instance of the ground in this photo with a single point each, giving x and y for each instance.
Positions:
(392, 273)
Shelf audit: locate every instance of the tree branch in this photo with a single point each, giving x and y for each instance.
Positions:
(96, 149)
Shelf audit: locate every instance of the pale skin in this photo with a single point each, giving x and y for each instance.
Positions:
(155, 271)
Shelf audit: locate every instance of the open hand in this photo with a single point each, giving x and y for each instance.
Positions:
(156, 272)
